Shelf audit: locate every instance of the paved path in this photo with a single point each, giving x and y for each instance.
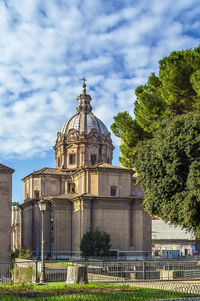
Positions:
(179, 286)
(191, 287)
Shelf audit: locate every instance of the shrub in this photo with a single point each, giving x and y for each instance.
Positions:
(95, 243)
(25, 253)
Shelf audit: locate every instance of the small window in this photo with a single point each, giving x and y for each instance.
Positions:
(36, 194)
(93, 159)
(51, 225)
(113, 191)
(71, 187)
(72, 159)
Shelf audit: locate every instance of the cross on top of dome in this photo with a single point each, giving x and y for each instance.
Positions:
(84, 84)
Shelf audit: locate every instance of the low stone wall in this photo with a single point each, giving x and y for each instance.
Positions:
(25, 271)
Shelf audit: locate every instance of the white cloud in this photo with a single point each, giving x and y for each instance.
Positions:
(47, 46)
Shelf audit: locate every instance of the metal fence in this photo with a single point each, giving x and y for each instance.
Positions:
(143, 288)
(102, 271)
(6, 272)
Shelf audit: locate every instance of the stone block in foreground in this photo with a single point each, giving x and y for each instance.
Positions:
(77, 274)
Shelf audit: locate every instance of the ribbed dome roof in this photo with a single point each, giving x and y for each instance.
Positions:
(84, 122)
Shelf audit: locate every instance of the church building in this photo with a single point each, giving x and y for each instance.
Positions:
(84, 190)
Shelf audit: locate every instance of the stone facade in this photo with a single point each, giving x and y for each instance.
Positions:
(84, 190)
(16, 228)
(5, 212)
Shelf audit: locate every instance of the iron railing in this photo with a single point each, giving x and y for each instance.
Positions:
(104, 271)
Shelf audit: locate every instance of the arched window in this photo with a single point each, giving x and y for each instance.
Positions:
(36, 194)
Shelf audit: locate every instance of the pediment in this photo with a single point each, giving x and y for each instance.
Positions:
(93, 133)
(94, 140)
(73, 135)
(93, 146)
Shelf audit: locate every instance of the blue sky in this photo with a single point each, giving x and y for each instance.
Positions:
(48, 46)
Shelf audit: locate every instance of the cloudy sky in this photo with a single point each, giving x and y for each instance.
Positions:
(46, 47)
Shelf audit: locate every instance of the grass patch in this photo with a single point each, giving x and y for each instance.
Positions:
(61, 288)
(80, 287)
(58, 265)
(92, 291)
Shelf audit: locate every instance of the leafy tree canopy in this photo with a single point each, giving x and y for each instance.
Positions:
(168, 169)
(175, 91)
(15, 203)
(95, 243)
(163, 141)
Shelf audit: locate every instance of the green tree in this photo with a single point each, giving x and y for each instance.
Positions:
(168, 169)
(175, 91)
(162, 141)
(15, 203)
(95, 243)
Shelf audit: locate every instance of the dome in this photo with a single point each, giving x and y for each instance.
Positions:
(84, 122)
(76, 146)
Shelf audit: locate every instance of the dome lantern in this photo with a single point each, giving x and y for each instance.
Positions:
(84, 99)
